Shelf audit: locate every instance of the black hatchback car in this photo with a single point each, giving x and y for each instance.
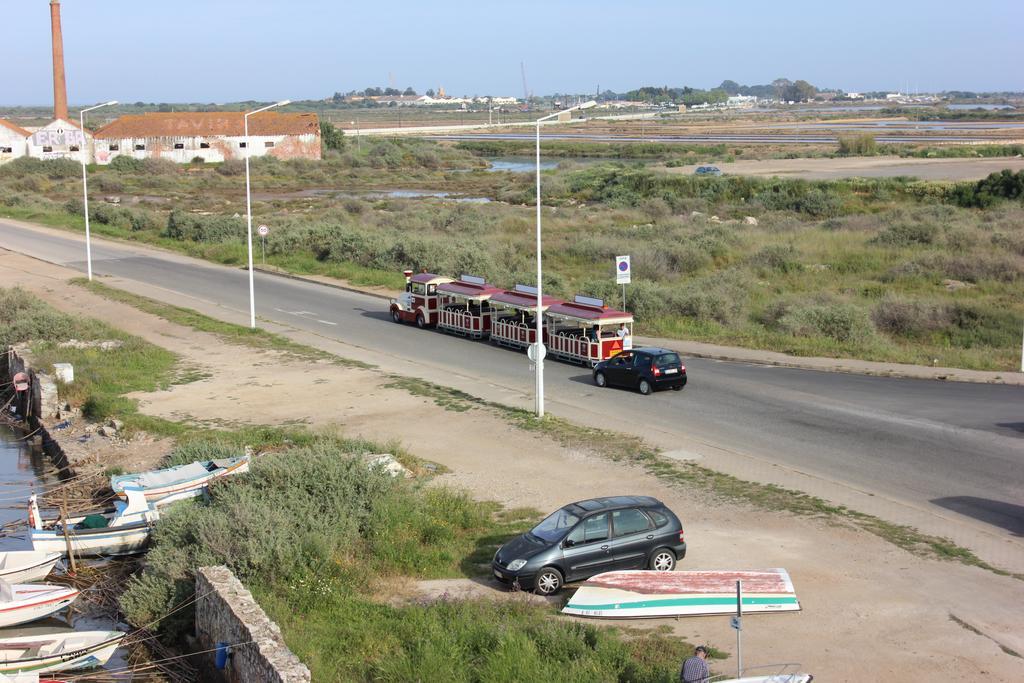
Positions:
(590, 537)
(644, 369)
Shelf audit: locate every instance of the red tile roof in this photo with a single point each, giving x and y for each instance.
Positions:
(228, 123)
(17, 129)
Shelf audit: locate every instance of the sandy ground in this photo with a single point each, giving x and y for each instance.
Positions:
(870, 610)
(867, 167)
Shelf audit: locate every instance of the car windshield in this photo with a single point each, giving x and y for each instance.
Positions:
(667, 360)
(555, 525)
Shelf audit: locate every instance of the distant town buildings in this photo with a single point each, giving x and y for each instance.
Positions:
(427, 100)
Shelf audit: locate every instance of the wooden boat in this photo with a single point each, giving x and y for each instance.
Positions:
(25, 566)
(632, 594)
(125, 530)
(177, 483)
(47, 649)
(21, 603)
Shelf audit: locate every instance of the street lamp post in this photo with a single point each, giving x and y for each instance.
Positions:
(85, 183)
(539, 348)
(248, 206)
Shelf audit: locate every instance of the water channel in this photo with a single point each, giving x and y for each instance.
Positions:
(24, 468)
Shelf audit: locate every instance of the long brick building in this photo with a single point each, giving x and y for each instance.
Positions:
(211, 136)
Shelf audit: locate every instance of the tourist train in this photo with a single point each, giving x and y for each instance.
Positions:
(583, 330)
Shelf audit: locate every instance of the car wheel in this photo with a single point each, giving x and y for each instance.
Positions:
(663, 560)
(678, 387)
(395, 315)
(549, 581)
(421, 321)
(644, 387)
(600, 380)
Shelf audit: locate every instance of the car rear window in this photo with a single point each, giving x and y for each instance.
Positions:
(631, 521)
(660, 519)
(667, 360)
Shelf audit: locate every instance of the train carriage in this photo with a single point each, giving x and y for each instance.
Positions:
(420, 302)
(514, 321)
(586, 331)
(465, 307)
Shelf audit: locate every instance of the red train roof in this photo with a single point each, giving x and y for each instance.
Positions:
(469, 290)
(427, 278)
(524, 299)
(588, 313)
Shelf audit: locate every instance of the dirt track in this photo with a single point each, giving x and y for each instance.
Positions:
(870, 610)
(867, 167)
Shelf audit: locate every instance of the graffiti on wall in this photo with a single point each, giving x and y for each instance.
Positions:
(58, 137)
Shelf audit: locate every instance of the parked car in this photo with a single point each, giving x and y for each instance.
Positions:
(708, 170)
(644, 369)
(590, 537)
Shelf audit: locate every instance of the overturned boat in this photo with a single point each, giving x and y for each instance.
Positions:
(638, 594)
(180, 482)
(25, 566)
(48, 649)
(124, 531)
(21, 603)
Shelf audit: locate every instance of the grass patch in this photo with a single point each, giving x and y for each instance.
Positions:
(102, 376)
(229, 332)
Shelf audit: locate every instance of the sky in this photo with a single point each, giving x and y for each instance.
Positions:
(215, 51)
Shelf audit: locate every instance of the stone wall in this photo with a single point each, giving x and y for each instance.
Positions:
(226, 612)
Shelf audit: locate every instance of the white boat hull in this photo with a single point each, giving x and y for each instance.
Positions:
(32, 601)
(25, 566)
(169, 492)
(124, 540)
(633, 594)
(57, 650)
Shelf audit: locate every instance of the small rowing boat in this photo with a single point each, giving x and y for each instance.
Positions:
(43, 649)
(124, 531)
(181, 482)
(633, 594)
(25, 566)
(21, 603)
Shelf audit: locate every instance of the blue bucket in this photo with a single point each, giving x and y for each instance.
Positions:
(223, 650)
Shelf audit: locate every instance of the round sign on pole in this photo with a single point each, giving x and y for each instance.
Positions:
(536, 352)
(263, 230)
(622, 270)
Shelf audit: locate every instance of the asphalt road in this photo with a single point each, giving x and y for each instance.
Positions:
(953, 448)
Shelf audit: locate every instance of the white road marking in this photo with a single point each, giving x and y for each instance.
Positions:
(326, 322)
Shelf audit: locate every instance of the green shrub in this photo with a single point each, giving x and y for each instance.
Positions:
(23, 318)
(143, 220)
(909, 319)
(721, 297)
(839, 321)
(1002, 185)
(74, 206)
(125, 164)
(907, 234)
(858, 145)
(232, 167)
(182, 225)
(979, 325)
(780, 258)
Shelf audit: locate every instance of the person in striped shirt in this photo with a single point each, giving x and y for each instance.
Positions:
(695, 668)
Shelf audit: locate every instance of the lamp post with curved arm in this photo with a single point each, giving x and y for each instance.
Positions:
(248, 207)
(85, 184)
(539, 350)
